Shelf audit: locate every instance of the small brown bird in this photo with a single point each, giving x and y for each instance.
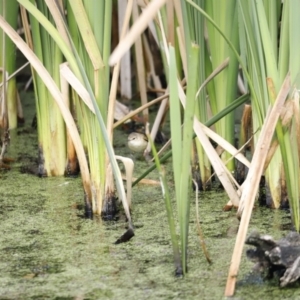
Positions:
(137, 142)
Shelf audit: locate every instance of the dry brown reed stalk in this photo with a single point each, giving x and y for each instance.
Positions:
(151, 72)
(125, 67)
(135, 31)
(115, 75)
(160, 115)
(290, 109)
(251, 183)
(171, 22)
(129, 166)
(246, 126)
(14, 73)
(215, 72)
(3, 101)
(128, 163)
(220, 169)
(182, 50)
(3, 93)
(297, 117)
(140, 65)
(56, 9)
(237, 155)
(139, 109)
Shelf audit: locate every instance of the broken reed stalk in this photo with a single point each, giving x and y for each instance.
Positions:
(252, 183)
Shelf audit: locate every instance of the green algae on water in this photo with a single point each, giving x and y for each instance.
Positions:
(49, 251)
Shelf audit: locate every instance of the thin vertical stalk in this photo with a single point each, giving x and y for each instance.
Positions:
(170, 216)
(8, 52)
(185, 182)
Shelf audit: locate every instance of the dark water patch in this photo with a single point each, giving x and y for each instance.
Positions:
(253, 278)
(34, 232)
(21, 249)
(28, 267)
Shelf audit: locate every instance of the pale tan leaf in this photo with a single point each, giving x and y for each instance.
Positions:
(129, 166)
(137, 28)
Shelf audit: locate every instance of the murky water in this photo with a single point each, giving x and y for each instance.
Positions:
(49, 252)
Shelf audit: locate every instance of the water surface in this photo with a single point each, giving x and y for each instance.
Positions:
(48, 251)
